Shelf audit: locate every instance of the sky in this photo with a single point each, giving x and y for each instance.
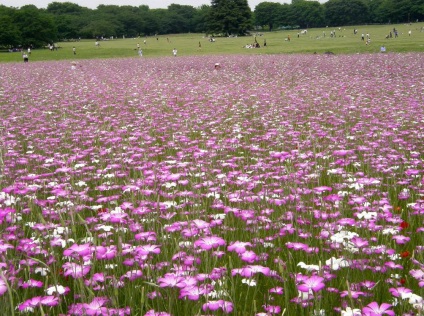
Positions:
(92, 4)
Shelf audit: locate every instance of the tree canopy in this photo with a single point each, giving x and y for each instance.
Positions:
(229, 17)
(30, 26)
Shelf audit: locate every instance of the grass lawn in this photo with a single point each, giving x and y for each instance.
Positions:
(345, 42)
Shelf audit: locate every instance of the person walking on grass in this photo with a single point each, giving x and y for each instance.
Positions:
(174, 52)
(74, 50)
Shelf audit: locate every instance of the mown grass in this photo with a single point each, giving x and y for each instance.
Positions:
(345, 42)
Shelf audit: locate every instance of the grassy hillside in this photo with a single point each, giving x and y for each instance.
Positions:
(344, 42)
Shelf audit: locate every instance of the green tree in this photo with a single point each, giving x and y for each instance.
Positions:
(69, 18)
(130, 19)
(307, 14)
(268, 13)
(104, 22)
(200, 18)
(10, 36)
(185, 14)
(149, 23)
(229, 17)
(37, 27)
(63, 8)
(346, 12)
(402, 10)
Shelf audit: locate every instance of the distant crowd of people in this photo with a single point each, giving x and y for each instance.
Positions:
(365, 37)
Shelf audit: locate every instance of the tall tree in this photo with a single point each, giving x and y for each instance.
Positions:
(346, 12)
(229, 17)
(184, 13)
(10, 35)
(200, 18)
(37, 27)
(267, 13)
(69, 18)
(307, 14)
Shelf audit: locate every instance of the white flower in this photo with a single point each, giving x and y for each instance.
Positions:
(219, 216)
(337, 263)
(308, 267)
(367, 215)
(351, 312)
(214, 195)
(356, 186)
(41, 270)
(111, 266)
(415, 299)
(169, 204)
(59, 289)
(249, 282)
(343, 235)
(169, 185)
(106, 228)
(390, 231)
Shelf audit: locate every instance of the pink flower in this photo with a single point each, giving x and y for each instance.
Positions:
(277, 290)
(75, 270)
(49, 300)
(132, 275)
(106, 252)
(401, 292)
(417, 274)
(3, 287)
(30, 304)
(171, 280)
(80, 250)
(32, 283)
(359, 242)
(400, 239)
(207, 243)
(297, 246)
(313, 283)
(249, 256)
(319, 190)
(272, 309)
(146, 249)
(238, 246)
(193, 293)
(95, 306)
(227, 307)
(373, 309)
(250, 271)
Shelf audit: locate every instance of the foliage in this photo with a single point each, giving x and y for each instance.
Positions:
(29, 25)
(346, 12)
(269, 14)
(228, 17)
(10, 35)
(307, 14)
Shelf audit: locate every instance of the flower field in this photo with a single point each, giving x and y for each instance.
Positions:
(277, 185)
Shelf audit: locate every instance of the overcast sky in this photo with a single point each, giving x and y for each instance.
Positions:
(92, 4)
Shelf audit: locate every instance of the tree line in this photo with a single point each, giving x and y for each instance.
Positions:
(31, 26)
